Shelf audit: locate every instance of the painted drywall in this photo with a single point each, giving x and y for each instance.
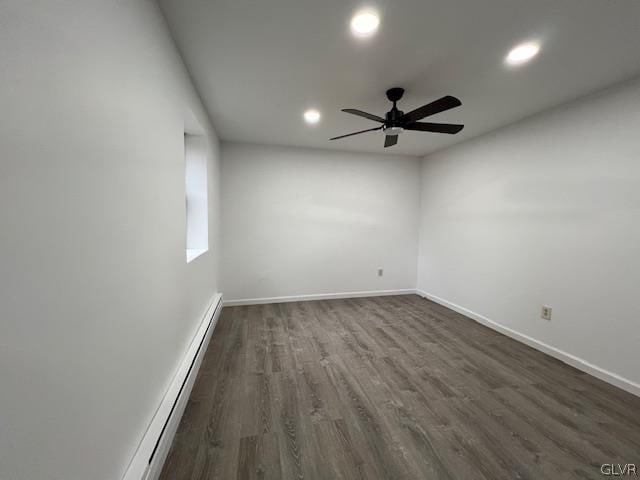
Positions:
(299, 221)
(97, 302)
(545, 212)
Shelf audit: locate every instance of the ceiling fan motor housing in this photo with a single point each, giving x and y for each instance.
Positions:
(392, 118)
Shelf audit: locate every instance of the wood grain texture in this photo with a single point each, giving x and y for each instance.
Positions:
(391, 388)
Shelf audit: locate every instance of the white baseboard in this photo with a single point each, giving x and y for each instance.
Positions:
(317, 296)
(153, 449)
(579, 363)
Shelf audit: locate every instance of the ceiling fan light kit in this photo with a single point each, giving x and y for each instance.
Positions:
(396, 121)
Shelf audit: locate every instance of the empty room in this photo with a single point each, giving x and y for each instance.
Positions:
(319, 240)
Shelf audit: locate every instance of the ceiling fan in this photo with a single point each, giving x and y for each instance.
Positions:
(396, 121)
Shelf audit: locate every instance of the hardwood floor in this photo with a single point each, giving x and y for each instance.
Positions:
(391, 388)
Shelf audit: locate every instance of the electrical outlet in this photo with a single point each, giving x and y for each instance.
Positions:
(380, 272)
(546, 312)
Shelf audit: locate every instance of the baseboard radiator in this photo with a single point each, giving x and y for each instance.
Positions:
(153, 449)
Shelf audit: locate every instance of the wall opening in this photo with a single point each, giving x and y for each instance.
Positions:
(195, 154)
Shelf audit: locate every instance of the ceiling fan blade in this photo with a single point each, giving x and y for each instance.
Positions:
(360, 113)
(390, 140)
(440, 105)
(356, 133)
(434, 127)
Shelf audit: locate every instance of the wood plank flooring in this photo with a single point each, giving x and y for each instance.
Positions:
(391, 388)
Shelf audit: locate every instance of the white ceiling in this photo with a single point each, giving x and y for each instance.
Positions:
(259, 64)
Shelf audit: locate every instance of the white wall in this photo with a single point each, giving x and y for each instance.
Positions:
(97, 303)
(301, 221)
(546, 211)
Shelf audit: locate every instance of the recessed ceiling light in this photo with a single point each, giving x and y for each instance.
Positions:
(365, 23)
(522, 53)
(312, 116)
